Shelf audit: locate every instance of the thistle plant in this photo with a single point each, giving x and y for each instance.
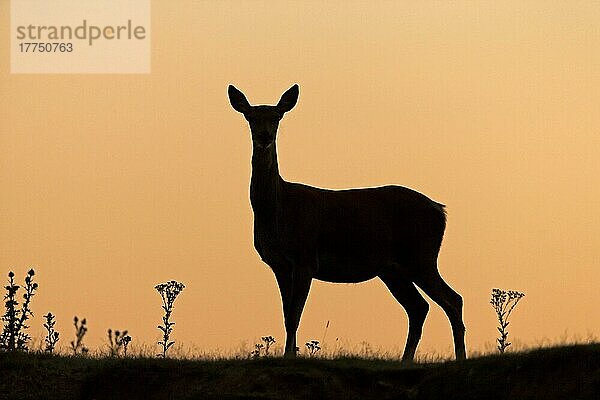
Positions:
(51, 335)
(504, 303)
(13, 336)
(77, 345)
(168, 292)
(120, 340)
(313, 347)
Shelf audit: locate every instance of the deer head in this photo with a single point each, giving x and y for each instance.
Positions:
(263, 120)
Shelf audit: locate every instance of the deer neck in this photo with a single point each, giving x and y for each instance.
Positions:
(265, 183)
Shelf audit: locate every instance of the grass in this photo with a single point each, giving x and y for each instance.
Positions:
(568, 372)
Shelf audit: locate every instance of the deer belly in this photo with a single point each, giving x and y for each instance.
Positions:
(346, 268)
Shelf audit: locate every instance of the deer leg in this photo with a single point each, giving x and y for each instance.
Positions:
(416, 308)
(452, 304)
(294, 288)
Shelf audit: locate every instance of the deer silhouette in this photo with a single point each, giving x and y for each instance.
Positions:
(345, 236)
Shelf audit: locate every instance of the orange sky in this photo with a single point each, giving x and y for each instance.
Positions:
(113, 183)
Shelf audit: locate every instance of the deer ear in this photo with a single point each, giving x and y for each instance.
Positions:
(288, 99)
(238, 100)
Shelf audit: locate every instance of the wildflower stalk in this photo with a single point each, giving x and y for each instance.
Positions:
(168, 292)
(119, 341)
(51, 335)
(313, 347)
(126, 339)
(13, 336)
(269, 341)
(504, 303)
(77, 345)
(257, 350)
(263, 349)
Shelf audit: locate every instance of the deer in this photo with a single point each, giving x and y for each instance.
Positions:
(344, 236)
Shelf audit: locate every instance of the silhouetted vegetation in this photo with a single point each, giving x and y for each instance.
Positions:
(504, 303)
(269, 341)
(168, 292)
(263, 350)
(14, 335)
(117, 342)
(555, 373)
(313, 347)
(77, 345)
(52, 336)
(257, 352)
(571, 372)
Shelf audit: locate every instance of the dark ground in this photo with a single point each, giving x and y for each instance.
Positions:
(570, 372)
